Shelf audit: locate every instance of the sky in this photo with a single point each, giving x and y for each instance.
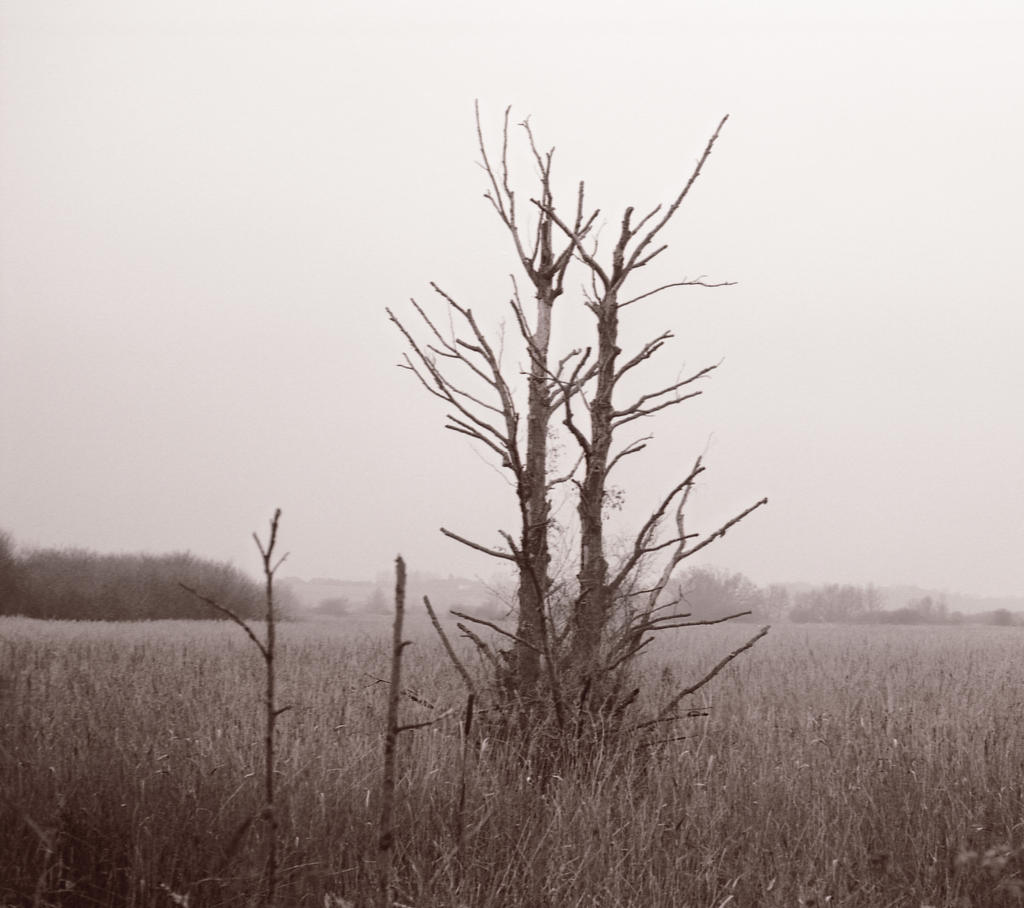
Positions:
(205, 208)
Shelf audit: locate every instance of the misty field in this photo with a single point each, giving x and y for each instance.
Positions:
(843, 766)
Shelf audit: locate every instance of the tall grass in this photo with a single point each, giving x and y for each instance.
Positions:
(862, 766)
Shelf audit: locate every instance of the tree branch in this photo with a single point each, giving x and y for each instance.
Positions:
(645, 242)
(576, 238)
(459, 667)
(648, 350)
(647, 411)
(671, 705)
(633, 448)
(494, 553)
(637, 408)
(640, 544)
(500, 630)
(228, 613)
(656, 624)
(721, 531)
(697, 282)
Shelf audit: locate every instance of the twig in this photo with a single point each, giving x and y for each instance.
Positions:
(697, 282)
(426, 723)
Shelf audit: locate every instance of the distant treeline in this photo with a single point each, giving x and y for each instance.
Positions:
(80, 584)
(324, 596)
(862, 605)
(710, 593)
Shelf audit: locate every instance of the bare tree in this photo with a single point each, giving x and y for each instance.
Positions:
(612, 613)
(268, 651)
(495, 421)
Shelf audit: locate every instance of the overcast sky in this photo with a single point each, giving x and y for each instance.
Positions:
(206, 206)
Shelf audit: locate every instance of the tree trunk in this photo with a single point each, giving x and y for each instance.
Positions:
(534, 556)
(594, 606)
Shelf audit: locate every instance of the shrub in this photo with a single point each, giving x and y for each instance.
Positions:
(80, 584)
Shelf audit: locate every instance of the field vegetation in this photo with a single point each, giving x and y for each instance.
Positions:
(849, 766)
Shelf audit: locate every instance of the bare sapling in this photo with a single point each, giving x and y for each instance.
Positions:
(268, 651)
(386, 837)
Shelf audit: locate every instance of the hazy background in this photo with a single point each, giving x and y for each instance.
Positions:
(205, 208)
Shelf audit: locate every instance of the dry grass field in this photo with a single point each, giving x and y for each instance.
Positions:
(843, 766)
